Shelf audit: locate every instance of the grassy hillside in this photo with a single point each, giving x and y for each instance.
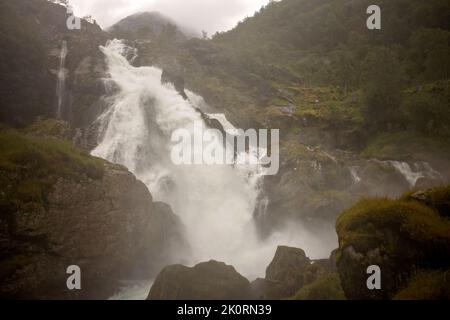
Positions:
(314, 65)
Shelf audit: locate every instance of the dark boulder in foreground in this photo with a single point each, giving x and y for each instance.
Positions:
(60, 207)
(206, 281)
(327, 287)
(408, 239)
(289, 271)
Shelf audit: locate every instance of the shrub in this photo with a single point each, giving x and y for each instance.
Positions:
(327, 287)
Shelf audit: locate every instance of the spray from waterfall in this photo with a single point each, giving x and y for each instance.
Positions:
(61, 81)
(215, 202)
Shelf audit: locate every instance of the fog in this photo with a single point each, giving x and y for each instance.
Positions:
(208, 15)
(215, 202)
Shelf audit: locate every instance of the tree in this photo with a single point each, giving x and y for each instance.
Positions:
(429, 54)
(382, 83)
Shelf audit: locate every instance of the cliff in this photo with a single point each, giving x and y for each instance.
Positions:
(61, 207)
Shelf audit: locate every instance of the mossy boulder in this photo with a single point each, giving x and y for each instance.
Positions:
(327, 287)
(401, 236)
(436, 198)
(211, 280)
(427, 285)
(30, 165)
(59, 206)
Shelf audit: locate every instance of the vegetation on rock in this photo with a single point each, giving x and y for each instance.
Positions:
(401, 236)
(427, 285)
(327, 287)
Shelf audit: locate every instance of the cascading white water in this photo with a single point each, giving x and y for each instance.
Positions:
(354, 173)
(61, 80)
(216, 203)
(421, 170)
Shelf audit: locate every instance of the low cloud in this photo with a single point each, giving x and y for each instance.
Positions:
(209, 15)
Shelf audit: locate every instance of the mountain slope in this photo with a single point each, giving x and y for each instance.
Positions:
(30, 42)
(315, 62)
(150, 26)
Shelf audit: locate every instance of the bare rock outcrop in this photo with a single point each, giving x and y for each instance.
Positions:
(211, 280)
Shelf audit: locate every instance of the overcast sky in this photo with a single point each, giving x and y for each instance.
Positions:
(209, 15)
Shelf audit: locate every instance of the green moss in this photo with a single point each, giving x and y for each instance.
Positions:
(405, 145)
(401, 236)
(364, 225)
(48, 127)
(29, 166)
(427, 285)
(298, 151)
(440, 200)
(327, 287)
(437, 198)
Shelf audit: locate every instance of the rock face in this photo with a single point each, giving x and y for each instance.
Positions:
(289, 271)
(401, 236)
(206, 281)
(287, 267)
(109, 227)
(39, 28)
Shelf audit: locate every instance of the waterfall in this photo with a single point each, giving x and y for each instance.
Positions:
(407, 172)
(354, 173)
(419, 170)
(216, 203)
(61, 81)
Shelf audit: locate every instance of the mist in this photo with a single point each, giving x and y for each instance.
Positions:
(209, 15)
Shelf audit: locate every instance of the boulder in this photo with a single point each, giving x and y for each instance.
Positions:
(400, 236)
(436, 198)
(206, 281)
(327, 287)
(287, 265)
(288, 272)
(104, 225)
(427, 285)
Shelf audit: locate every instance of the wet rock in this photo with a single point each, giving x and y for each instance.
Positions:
(206, 281)
(400, 236)
(289, 271)
(327, 287)
(102, 225)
